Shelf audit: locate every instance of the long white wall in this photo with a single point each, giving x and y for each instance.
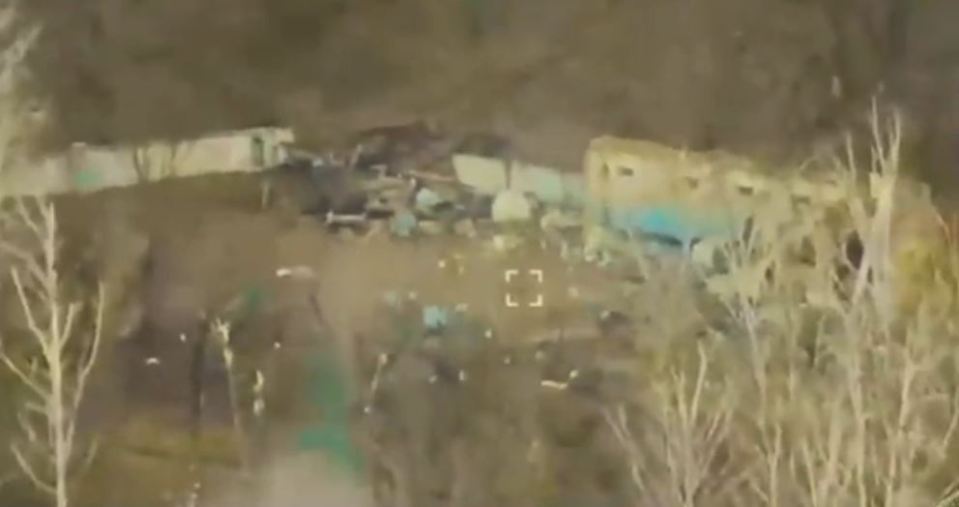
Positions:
(87, 168)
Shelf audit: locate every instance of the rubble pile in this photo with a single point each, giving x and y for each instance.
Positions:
(442, 355)
(412, 181)
(409, 181)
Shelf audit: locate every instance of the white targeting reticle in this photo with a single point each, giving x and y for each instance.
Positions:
(513, 302)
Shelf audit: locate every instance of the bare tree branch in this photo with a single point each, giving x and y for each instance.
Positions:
(28, 311)
(27, 470)
(26, 379)
(72, 311)
(24, 257)
(59, 382)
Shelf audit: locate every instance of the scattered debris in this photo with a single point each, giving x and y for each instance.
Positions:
(485, 144)
(545, 184)
(707, 254)
(506, 242)
(491, 176)
(511, 206)
(562, 386)
(616, 325)
(465, 227)
(555, 219)
(431, 227)
(298, 272)
(435, 318)
(483, 175)
(338, 219)
(391, 148)
(393, 299)
(479, 207)
(427, 200)
(403, 224)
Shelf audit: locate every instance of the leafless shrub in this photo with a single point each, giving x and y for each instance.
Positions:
(61, 353)
(12, 112)
(222, 332)
(838, 393)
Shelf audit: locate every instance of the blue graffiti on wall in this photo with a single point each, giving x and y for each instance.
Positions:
(673, 223)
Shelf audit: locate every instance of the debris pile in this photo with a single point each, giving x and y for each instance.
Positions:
(409, 181)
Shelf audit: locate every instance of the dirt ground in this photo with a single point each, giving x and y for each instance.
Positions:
(178, 254)
(769, 78)
(760, 76)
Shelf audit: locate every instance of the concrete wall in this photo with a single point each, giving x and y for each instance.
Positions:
(86, 168)
(652, 188)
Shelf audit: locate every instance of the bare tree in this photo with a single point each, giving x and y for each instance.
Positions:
(61, 354)
(12, 54)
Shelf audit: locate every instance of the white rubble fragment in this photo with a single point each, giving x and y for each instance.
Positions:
(295, 272)
(545, 183)
(504, 242)
(511, 206)
(427, 199)
(486, 176)
(403, 224)
(465, 227)
(555, 219)
(431, 227)
(703, 253)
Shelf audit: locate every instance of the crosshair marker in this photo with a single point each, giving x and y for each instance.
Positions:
(510, 274)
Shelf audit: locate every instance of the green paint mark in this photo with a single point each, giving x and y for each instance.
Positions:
(478, 17)
(86, 179)
(253, 300)
(329, 392)
(335, 441)
(406, 326)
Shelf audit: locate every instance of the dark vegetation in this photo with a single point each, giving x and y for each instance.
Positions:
(750, 75)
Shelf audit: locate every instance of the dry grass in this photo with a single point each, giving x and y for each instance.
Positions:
(822, 391)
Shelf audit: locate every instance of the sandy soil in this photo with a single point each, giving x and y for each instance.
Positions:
(178, 254)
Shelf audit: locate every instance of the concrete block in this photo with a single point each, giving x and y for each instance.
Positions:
(487, 176)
